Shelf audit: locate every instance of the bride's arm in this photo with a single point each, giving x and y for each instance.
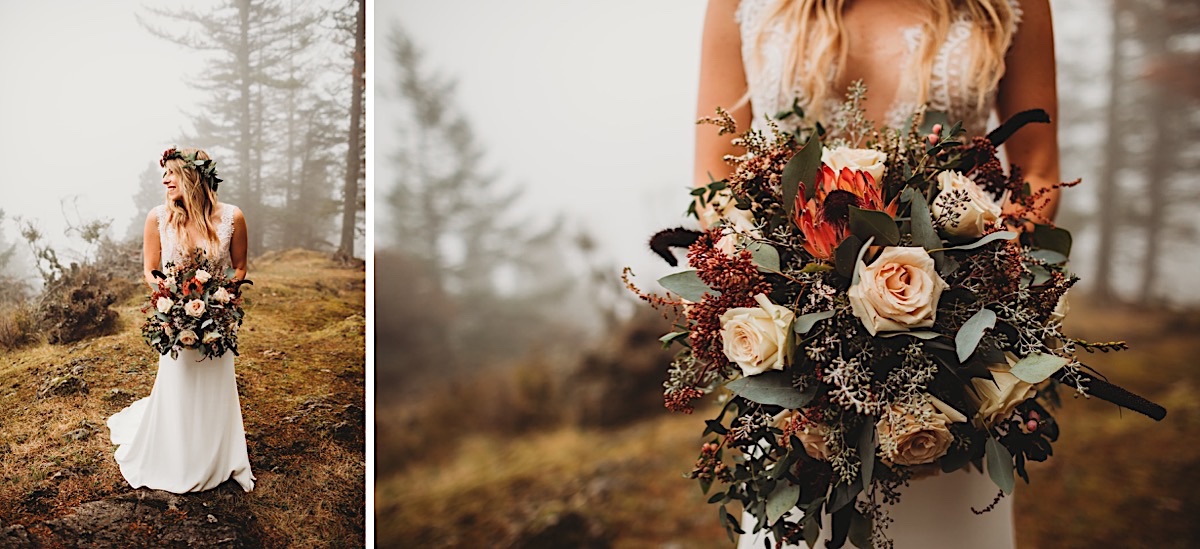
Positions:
(1028, 83)
(722, 84)
(237, 248)
(151, 250)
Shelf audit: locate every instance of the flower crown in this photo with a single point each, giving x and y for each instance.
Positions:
(206, 168)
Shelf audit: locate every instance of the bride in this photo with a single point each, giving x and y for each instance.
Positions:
(187, 436)
(968, 58)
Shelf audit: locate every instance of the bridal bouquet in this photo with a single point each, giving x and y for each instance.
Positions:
(868, 319)
(197, 305)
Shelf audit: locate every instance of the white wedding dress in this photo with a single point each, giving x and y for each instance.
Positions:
(933, 512)
(187, 436)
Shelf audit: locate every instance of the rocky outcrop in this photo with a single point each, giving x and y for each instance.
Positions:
(146, 518)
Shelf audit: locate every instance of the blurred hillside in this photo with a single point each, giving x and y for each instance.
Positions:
(1117, 479)
(301, 383)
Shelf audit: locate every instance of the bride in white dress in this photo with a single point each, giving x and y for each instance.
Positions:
(968, 58)
(187, 436)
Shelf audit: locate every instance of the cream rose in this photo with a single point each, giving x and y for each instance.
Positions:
(202, 276)
(755, 337)
(187, 338)
(194, 308)
(210, 337)
(971, 218)
(905, 438)
(738, 223)
(864, 160)
(899, 291)
(221, 296)
(815, 443)
(163, 304)
(724, 206)
(996, 398)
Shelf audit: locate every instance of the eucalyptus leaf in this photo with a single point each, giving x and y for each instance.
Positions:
(804, 323)
(1000, 465)
(971, 333)
(923, 232)
(926, 335)
(1037, 367)
(1052, 238)
(667, 339)
(1049, 256)
(861, 252)
(860, 530)
(773, 387)
(871, 223)
(800, 169)
(765, 256)
(687, 284)
(846, 254)
(782, 499)
(866, 452)
(812, 529)
(844, 494)
(998, 235)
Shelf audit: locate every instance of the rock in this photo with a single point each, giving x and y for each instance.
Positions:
(63, 385)
(146, 518)
(14, 536)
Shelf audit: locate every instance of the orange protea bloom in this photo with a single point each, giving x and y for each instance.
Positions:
(192, 285)
(824, 217)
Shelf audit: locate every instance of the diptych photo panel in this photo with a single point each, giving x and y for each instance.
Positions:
(537, 274)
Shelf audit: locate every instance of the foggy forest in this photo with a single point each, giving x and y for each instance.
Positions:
(519, 386)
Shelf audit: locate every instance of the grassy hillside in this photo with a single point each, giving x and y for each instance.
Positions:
(301, 383)
(1117, 480)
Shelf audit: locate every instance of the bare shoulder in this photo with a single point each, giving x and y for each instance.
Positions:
(153, 214)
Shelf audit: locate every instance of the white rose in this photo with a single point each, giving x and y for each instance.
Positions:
(906, 439)
(724, 206)
(996, 398)
(971, 218)
(221, 296)
(187, 338)
(194, 308)
(210, 337)
(864, 160)
(202, 276)
(755, 337)
(739, 224)
(163, 305)
(899, 291)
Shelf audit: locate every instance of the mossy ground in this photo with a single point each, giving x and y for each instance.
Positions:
(1117, 479)
(301, 383)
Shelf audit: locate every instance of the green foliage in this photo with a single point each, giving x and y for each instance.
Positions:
(801, 169)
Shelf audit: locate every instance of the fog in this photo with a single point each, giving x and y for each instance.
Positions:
(88, 101)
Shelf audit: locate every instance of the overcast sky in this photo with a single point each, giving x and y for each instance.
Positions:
(587, 105)
(88, 100)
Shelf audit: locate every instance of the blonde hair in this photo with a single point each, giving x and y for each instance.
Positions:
(821, 45)
(195, 206)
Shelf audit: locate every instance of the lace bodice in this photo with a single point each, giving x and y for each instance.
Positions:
(949, 85)
(168, 238)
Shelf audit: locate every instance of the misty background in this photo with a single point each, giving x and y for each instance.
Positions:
(94, 92)
(525, 152)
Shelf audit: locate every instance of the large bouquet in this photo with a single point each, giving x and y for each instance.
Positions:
(198, 305)
(868, 319)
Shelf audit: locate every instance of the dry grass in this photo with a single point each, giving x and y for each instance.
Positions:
(301, 382)
(1117, 479)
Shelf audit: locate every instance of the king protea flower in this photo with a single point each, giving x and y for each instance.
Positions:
(824, 217)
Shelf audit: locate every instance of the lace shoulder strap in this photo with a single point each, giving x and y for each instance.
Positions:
(225, 229)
